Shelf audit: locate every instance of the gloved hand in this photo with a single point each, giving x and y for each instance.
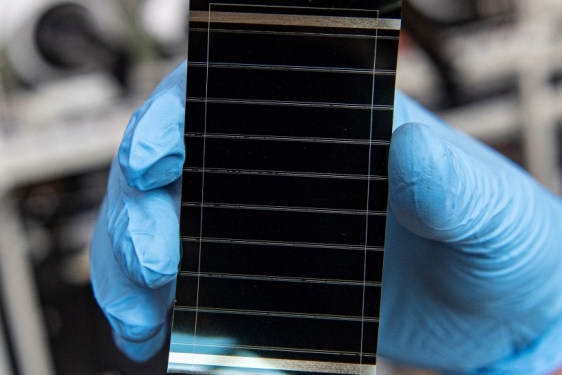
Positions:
(472, 271)
(473, 265)
(135, 245)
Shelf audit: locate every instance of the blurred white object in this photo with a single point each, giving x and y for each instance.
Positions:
(5, 367)
(21, 303)
(19, 35)
(13, 14)
(452, 11)
(166, 21)
(445, 10)
(72, 98)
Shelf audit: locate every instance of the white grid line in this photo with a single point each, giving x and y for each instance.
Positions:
(368, 198)
(202, 188)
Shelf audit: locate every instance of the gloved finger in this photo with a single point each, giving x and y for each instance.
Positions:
(479, 303)
(144, 231)
(136, 314)
(442, 193)
(152, 151)
(444, 183)
(499, 218)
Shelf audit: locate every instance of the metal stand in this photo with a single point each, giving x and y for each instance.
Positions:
(5, 366)
(22, 307)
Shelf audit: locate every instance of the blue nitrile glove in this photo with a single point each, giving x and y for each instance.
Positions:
(473, 263)
(472, 274)
(135, 246)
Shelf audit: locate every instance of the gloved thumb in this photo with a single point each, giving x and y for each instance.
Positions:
(443, 193)
(496, 221)
(472, 268)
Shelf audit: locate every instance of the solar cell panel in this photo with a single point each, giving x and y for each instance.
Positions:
(288, 123)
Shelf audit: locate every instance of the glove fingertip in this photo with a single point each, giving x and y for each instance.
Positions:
(421, 178)
(152, 152)
(157, 258)
(163, 172)
(140, 351)
(156, 279)
(146, 260)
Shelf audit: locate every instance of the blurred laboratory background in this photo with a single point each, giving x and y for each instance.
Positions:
(73, 71)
